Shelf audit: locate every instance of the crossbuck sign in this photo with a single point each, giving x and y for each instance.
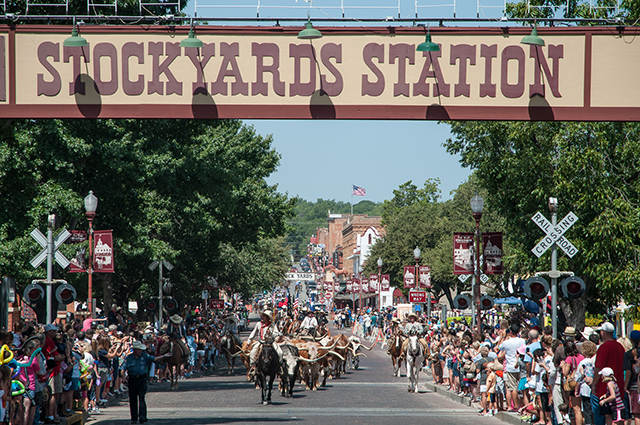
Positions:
(57, 255)
(554, 234)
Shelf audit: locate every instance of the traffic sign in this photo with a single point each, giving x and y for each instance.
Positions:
(328, 295)
(554, 235)
(57, 255)
(216, 304)
(417, 296)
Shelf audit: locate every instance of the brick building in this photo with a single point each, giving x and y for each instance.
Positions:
(359, 233)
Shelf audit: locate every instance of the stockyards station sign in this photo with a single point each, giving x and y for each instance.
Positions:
(586, 74)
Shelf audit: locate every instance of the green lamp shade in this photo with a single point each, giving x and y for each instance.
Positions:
(191, 40)
(428, 45)
(309, 33)
(533, 39)
(75, 40)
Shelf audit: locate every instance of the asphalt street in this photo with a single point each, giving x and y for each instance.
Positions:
(369, 395)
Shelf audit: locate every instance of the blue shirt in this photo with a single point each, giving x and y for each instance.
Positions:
(137, 366)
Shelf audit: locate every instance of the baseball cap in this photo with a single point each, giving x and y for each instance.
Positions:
(607, 371)
(606, 327)
(635, 335)
(50, 327)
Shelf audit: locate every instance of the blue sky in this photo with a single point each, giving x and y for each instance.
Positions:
(322, 159)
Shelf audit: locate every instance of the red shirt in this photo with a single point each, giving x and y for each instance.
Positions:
(49, 351)
(610, 354)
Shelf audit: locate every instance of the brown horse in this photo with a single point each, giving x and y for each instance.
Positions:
(230, 347)
(174, 362)
(395, 352)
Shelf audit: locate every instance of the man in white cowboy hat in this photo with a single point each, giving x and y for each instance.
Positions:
(137, 366)
(231, 326)
(412, 326)
(177, 331)
(394, 328)
(310, 323)
(263, 330)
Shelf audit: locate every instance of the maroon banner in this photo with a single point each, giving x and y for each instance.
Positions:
(385, 282)
(492, 253)
(77, 236)
(417, 297)
(349, 285)
(364, 284)
(103, 251)
(216, 304)
(374, 285)
(463, 253)
(336, 286)
(425, 277)
(356, 285)
(102, 254)
(409, 277)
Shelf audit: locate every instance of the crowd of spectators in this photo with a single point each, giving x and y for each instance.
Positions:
(76, 365)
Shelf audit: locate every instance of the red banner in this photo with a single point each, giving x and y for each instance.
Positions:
(409, 276)
(492, 253)
(373, 283)
(349, 285)
(463, 253)
(216, 304)
(102, 254)
(365, 285)
(425, 277)
(385, 282)
(336, 286)
(417, 297)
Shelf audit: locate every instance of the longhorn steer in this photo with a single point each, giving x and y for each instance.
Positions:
(290, 369)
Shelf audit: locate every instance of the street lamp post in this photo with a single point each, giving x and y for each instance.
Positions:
(360, 280)
(90, 206)
(379, 283)
(476, 208)
(416, 255)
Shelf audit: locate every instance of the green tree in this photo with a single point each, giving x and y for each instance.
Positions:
(592, 169)
(170, 189)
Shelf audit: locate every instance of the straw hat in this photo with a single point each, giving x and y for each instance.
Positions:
(267, 313)
(569, 331)
(137, 345)
(177, 319)
(412, 315)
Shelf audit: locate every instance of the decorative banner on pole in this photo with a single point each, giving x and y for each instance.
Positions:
(409, 276)
(356, 285)
(349, 285)
(425, 277)
(336, 286)
(103, 251)
(373, 283)
(365, 285)
(385, 282)
(463, 253)
(492, 243)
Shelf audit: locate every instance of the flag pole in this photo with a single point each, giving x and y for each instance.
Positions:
(351, 198)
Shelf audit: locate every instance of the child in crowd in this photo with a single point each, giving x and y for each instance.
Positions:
(612, 398)
(5, 392)
(541, 371)
(491, 390)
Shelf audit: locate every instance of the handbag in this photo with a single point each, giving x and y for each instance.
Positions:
(570, 382)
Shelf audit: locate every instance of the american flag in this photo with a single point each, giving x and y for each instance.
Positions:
(296, 306)
(359, 191)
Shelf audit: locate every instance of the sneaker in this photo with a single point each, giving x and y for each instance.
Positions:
(103, 400)
(96, 410)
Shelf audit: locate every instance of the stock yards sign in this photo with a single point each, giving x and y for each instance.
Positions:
(582, 73)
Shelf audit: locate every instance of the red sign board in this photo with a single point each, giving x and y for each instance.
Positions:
(102, 254)
(216, 304)
(492, 253)
(417, 297)
(77, 236)
(328, 295)
(385, 282)
(409, 276)
(349, 285)
(463, 253)
(356, 285)
(425, 277)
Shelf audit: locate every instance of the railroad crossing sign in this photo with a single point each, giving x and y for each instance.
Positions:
(57, 255)
(554, 234)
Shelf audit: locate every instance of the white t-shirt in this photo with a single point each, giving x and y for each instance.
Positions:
(509, 347)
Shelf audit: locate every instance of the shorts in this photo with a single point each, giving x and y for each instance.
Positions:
(55, 382)
(483, 388)
(634, 403)
(544, 401)
(492, 397)
(523, 384)
(75, 384)
(511, 380)
(200, 353)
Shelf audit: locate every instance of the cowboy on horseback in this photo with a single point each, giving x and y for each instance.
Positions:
(395, 329)
(231, 327)
(176, 331)
(412, 327)
(310, 323)
(264, 331)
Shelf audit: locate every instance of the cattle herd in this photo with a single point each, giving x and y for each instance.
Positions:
(305, 358)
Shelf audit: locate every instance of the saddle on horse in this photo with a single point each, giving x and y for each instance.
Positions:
(183, 348)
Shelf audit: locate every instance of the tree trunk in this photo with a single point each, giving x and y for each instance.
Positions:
(574, 312)
(107, 291)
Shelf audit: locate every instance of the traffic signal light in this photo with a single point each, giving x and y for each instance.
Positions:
(486, 302)
(573, 287)
(536, 288)
(462, 302)
(65, 294)
(171, 306)
(33, 294)
(152, 304)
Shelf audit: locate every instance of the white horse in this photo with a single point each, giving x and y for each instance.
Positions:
(415, 357)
